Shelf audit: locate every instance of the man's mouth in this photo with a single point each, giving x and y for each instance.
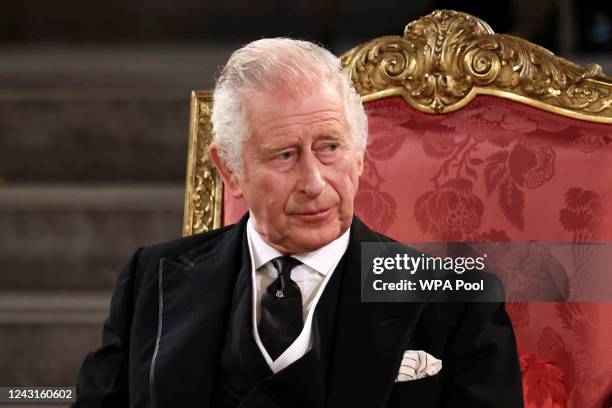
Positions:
(315, 214)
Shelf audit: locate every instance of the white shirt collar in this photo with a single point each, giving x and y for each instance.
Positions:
(321, 260)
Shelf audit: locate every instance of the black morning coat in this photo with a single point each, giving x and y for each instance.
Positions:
(163, 339)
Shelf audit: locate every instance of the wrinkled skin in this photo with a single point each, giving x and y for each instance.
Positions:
(301, 169)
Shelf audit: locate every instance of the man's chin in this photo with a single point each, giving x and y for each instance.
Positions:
(316, 240)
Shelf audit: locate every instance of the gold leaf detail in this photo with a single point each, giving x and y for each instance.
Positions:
(204, 187)
(446, 58)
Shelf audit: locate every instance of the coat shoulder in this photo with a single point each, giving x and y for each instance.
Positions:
(184, 246)
(185, 251)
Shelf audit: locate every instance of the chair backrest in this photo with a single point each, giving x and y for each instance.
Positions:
(474, 136)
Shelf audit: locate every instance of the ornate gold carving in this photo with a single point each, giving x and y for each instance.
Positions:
(446, 58)
(204, 190)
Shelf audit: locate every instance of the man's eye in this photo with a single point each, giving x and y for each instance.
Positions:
(285, 155)
(331, 147)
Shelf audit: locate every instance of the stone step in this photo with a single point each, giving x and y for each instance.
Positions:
(45, 337)
(55, 238)
(105, 113)
(115, 138)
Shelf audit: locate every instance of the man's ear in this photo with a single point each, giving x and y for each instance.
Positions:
(229, 178)
(360, 163)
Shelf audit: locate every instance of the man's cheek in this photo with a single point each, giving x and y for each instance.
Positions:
(348, 182)
(347, 194)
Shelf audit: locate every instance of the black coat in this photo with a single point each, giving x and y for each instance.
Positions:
(168, 314)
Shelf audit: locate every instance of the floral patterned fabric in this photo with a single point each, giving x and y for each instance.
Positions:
(543, 382)
(497, 170)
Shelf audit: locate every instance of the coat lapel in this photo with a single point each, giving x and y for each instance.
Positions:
(195, 292)
(370, 337)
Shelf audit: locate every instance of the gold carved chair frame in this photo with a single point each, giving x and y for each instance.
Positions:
(439, 65)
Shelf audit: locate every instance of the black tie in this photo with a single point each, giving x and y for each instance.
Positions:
(281, 309)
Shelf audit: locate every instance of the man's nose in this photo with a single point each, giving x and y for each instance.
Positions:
(311, 179)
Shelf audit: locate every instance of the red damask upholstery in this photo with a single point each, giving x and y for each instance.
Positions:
(498, 170)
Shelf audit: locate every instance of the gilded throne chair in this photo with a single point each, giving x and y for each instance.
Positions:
(476, 137)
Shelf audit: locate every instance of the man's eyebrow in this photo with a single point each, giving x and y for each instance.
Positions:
(329, 135)
(271, 148)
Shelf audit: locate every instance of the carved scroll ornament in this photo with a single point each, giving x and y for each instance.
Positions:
(446, 58)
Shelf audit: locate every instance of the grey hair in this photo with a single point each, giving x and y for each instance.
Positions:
(274, 63)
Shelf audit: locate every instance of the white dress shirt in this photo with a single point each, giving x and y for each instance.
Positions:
(311, 276)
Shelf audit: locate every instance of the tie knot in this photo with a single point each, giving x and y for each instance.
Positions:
(285, 264)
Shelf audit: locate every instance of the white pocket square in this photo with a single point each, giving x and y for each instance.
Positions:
(417, 364)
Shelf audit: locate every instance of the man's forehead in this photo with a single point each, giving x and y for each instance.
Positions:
(299, 91)
(285, 109)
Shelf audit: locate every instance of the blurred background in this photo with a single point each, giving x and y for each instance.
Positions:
(94, 107)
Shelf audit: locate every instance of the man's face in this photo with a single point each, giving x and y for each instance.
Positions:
(300, 169)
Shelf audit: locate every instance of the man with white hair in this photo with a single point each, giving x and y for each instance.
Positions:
(267, 312)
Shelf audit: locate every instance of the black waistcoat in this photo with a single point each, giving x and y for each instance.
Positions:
(244, 379)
